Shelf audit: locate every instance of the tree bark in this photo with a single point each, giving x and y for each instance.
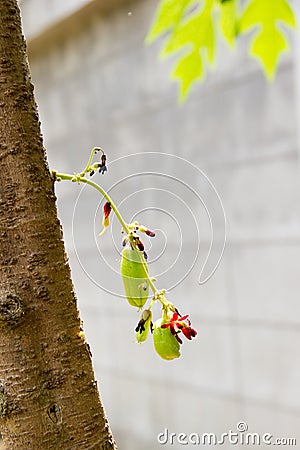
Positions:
(48, 393)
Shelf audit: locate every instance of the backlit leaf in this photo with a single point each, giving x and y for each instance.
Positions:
(269, 41)
(192, 26)
(168, 16)
(195, 34)
(228, 20)
(188, 70)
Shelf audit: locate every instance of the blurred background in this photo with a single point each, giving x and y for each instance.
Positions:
(97, 84)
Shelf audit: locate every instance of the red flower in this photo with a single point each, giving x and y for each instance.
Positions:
(180, 323)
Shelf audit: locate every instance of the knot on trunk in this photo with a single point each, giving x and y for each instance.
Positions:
(11, 307)
(54, 414)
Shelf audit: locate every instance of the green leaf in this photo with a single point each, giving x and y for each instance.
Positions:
(196, 35)
(269, 41)
(266, 13)
(168, 16)
(192, 27)
(197, 32)
(228, 21)
(188, 70)
(267, 54)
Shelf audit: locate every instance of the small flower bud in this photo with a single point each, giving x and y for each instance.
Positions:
(147, 231)
(106, 213)
(150, 233)
(107, 209)
(139, 244)
(102, 166)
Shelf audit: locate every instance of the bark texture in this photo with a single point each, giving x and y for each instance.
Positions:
(48, 394)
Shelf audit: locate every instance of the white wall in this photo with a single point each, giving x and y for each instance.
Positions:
(38, 15)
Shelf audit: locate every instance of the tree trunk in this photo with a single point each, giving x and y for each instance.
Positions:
(48, 393)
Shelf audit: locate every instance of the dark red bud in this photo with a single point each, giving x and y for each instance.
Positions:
(107, 210)
(139, 244)
(150, 233)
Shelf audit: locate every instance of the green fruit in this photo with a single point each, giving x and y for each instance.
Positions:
(135, 278)
(142, 330)
(165, 343)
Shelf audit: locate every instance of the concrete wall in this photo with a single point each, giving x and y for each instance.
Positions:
(38, 16)
(97, 85)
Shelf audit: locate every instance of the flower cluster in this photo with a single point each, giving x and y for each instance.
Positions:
(179, 323)
(101, 165)
(134, 270)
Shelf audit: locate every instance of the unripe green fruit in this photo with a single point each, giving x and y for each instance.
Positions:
(165, 343)
(134, 277)
(141, 337)
(143, 326)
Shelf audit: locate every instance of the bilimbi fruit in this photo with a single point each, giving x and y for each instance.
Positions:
(165, 343)
(135, 277)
